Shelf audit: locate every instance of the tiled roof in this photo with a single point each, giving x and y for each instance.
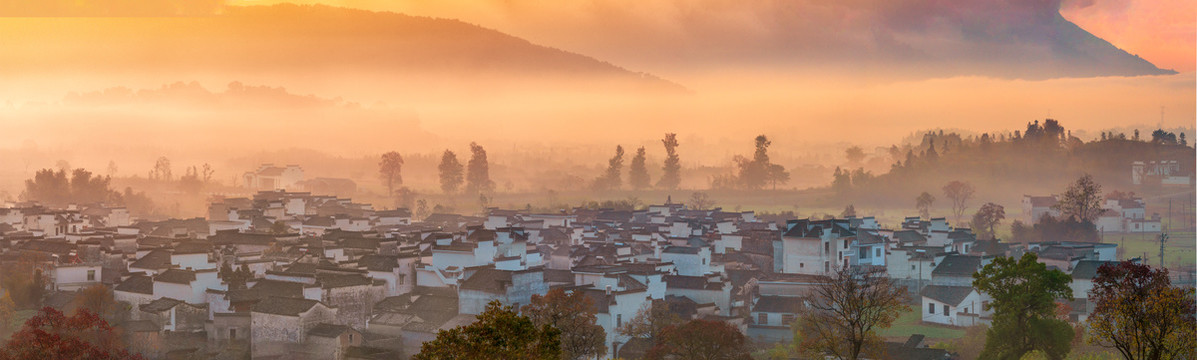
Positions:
(139, 284)
(1087, 269)
(957, 265)
(951, 295)
(284, 306)
(159, 305)
(778, 304)
(155, 259)
(327, 330)
(176, 276)
(488, 280)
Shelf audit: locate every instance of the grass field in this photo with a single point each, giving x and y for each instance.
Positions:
(911, 323)
(1179, 251)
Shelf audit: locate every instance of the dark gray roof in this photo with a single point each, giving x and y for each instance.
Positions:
(778, 304)
(681, 250)
(329, 281)
(957, 265)
(374, 262)
(160, 305)
(176, 276)
(139, 284)
(284, 306)
(690, 282)
(1087, 269)
(155, 259)
(327, 330)
(908, 236)
(951, 295)
(489, 280)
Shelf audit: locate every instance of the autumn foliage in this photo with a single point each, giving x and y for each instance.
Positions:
(1138, 312)
(701, 340)
(52, 335)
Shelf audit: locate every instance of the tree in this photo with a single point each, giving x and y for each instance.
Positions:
(8, 309)
(855, 154)
(612, 179)
(161, 170)
(451, 172)
(190, 182)
(1082, 201)
(208, 172)
(672, 176)
(923, 204)
(390, 171)
(652, 318)
(841, 181)
(572, 314)
(638, 173)
(52, 335)
(755, 173)
(422, 210)
(986, 219)
(1024, 296)
(1138, 312)
(24, 282)
(849, 211)
(845, 310)
(112, 168)
(777, 174)
(960, 192)
(499, 333)
(478, 171)
(279, 227)
(700, 201)
(701, 340)
(98, 300)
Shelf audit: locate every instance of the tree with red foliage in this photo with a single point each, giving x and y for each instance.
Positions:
(52, 335)
(701, 339)
(1138, 312)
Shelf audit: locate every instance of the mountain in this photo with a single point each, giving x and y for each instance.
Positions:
(1001, 38)
(304, 41)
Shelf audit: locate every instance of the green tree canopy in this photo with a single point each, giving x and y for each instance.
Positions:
(499, 333)
(1024, 296)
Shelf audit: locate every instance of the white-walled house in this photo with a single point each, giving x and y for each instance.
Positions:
(954, 305)
(279, 324)
(71, 277)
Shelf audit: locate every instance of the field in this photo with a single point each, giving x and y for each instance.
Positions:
(1178, 252)
(910, 322)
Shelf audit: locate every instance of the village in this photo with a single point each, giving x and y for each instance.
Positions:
(288, 274)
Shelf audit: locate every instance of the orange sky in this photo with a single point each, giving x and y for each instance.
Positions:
(1161, 31)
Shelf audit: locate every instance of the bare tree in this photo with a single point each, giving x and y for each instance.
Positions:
(960, 192)
(845, 310)
(700, 201)
(1082, 200)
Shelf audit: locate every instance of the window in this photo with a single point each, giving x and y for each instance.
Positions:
(826, 266)
(401, 277)
(985, 305)
(911, 267)
(762, 319)
(965, 310)
(945, 309)
(864, 253)
(704, 261)
(232, 333)
(801, 265)
(351, 337)
(826, 248)
(878, 251)
(91, 275)
(845, 244)
(618, 320)
(931, 308)
(787, 319)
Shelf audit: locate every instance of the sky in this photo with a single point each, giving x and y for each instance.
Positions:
(333, 90)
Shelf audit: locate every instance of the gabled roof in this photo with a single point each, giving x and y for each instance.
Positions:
(957, 265)
(690, 282)
(778, 304)
(155, 259)
(328, 330)
(139, 284)
(488, 280)
(284, 306)
(951, 295)
(176, 276)
(159, 305)
(1087, 269)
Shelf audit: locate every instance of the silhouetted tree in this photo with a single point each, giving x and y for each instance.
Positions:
(960, 192)
(450, 172)
(855, 155)
(1082, 201)
(700, 201)
(478, 171)
(672, 171)
(612, 178)
(849, 211)
(390, 170)
(161, 170)
(923, 204)
(986, 219)
(638, 172)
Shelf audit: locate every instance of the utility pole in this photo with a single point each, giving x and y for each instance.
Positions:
(1163, 240)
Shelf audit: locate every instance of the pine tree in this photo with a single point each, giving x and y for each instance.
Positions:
(638, 173)
(478, 175)
(671, 177)
(450, 172)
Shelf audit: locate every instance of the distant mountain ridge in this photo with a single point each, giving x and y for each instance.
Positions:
(1001, 38)
(311, 39)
